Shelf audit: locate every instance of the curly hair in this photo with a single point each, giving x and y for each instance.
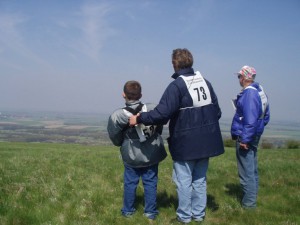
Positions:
(182, 58)
(132, 90)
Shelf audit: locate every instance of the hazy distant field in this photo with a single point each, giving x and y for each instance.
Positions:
(90, 129)
(74, 184)
(274, 130)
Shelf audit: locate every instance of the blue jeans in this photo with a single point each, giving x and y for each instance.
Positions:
(248, 172)
(131, 180)
(190, 180)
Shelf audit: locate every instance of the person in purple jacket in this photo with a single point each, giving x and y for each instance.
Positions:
(251, 116)
(191, 105)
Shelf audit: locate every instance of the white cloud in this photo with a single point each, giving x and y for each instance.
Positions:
(9, 24)
(93, 28)
(84, 31)
(13, 41)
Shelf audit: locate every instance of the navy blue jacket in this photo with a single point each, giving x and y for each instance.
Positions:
(195, 131)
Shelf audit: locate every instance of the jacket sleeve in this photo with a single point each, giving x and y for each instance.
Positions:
(117, 122)
(251, 108)
(168, 105)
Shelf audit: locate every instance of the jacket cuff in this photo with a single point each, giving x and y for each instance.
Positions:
(138, 119)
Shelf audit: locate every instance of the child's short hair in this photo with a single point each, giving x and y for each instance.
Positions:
(132, 90)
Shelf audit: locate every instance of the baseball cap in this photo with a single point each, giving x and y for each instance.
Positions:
(248, 72)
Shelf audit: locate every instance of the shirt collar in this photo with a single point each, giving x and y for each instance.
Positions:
(132, 102)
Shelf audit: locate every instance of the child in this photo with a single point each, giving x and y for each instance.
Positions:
(142, 149)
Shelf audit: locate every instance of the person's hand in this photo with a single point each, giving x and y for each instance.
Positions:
(244, 146)
(132, 120)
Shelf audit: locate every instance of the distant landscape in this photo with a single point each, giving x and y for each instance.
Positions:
(53, 127)
(90, 129)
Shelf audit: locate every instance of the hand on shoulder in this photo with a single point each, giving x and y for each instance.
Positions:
(133, 120)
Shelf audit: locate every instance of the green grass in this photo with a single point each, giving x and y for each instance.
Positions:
(73, 184)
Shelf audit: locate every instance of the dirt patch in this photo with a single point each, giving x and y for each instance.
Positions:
(53, 124)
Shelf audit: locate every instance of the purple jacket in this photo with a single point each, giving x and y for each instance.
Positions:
(251, 115)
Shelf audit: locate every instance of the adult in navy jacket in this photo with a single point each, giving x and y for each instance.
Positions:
(251, 116)
(191, 106)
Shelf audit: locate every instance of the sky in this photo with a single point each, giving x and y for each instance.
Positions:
(75, 56)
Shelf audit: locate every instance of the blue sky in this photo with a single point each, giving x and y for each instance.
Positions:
(76, 55)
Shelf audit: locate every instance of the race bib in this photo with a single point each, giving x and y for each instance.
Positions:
(149, 130)
(264, 101)
(144, 132)
(198, 89)
(263, 98)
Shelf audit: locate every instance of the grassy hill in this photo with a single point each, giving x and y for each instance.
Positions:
(44, 183)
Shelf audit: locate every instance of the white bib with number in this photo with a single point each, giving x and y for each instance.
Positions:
(263, 98)
(144, 132)
(198, 90)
